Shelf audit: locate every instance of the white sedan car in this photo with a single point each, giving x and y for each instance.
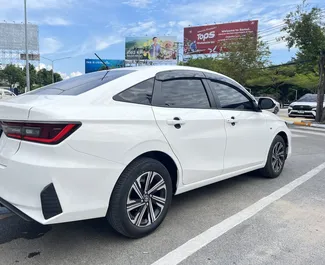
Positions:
(121, 143)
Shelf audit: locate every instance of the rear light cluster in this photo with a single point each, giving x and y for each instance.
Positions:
(46, 133)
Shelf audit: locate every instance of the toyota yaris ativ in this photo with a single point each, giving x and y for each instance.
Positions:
(121, 143)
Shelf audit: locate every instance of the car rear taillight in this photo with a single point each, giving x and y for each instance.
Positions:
(40, 132)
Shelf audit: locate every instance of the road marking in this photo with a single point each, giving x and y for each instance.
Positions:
(301, 128)
(307, 132)
(298, 135)
(193, 245)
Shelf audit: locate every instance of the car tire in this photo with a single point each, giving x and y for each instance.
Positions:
(276, 158)
(276, 110)
(153, 205)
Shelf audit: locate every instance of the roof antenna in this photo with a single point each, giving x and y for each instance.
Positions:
(107, 68)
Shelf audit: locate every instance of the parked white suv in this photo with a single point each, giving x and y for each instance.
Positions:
(304, 107)
(121, 143)
(4, 93)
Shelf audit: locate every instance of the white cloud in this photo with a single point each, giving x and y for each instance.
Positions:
(138, 3)
(208, 10)
(50, 45)
(103, 43)
(56, 21)
(67, 76)
(171, 23)
(43, 66)
(184, 23)
(142, 28)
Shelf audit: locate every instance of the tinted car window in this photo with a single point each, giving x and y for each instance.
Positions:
(230, 98)
(140, 93)
(80, 84)
(173, 74)
(184, 93)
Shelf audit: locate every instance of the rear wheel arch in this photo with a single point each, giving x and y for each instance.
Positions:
(167, 161)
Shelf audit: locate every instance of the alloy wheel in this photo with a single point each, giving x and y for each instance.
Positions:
(146, 199)
(278, 157)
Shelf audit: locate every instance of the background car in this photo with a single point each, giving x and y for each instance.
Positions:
(276, 106)
(304, 107)
(4, 93)
(121, 143)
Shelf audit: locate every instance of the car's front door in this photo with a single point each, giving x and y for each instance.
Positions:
(194, 130)
(247, 131)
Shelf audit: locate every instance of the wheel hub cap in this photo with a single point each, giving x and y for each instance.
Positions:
(278, 157)
(146, 199)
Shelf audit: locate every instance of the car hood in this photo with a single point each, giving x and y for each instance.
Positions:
(311, 104)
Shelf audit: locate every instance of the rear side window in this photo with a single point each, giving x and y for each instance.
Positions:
(80, 84)
(140, 93)
(184, 93)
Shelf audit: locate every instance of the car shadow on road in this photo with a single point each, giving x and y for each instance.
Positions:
(13, 227)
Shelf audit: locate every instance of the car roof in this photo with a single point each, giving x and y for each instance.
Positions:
(153, 70)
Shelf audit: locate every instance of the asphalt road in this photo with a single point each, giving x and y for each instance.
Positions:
(289, 230)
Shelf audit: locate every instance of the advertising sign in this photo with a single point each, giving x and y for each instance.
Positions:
(208, 39)
(31, 57)
(93, 65)
(151, 48)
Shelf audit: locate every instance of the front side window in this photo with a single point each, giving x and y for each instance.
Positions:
(230, 98)
(140, 93)
(184, 93)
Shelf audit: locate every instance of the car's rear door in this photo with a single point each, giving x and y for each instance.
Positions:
(248, 135)
(183, 108)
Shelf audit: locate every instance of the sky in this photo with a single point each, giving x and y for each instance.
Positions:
(78, 29)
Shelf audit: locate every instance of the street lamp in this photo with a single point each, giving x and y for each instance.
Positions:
(52, 61)
(26, 50)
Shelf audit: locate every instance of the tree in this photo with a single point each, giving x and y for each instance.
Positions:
(305, 30)
(241, 59)
(13, 75)
(57, 77)
(244, 58)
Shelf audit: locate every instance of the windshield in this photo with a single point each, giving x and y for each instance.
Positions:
(80, 84)
(308, 98)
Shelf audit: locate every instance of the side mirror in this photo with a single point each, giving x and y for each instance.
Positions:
(266, 103)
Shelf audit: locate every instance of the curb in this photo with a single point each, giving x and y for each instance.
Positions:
(306, 124)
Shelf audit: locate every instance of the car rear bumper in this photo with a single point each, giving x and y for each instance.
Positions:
(60, 185)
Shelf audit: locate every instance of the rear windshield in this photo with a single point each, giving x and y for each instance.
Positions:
(80, 84)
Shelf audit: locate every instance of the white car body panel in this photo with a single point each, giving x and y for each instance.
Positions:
(200, 143)
(246, 147)
(85, 167)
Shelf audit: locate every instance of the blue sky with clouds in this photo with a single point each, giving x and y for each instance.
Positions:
(80, 28)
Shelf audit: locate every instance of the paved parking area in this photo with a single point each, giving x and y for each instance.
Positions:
(289, 230)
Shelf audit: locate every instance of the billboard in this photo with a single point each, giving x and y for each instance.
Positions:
(31, 57)
(151, 48)
(93, 65)
(12, 36)
(207, 39)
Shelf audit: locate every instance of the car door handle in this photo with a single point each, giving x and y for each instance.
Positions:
(232, 121)
(175, 121)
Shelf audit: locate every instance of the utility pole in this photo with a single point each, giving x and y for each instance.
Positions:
(26, 50)
(321, 89)
(52, 61)
(177, 51)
